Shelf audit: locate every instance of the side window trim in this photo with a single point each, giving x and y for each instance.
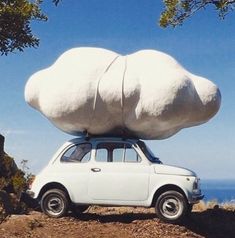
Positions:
(137, 154)
(96, 153)
(126, 145)
(75, 146)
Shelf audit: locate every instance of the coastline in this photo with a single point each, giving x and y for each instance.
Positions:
(220, 190)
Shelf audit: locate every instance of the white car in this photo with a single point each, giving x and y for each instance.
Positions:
(113, 172)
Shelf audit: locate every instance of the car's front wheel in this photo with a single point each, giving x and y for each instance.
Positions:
(54, 203)
(171, 206)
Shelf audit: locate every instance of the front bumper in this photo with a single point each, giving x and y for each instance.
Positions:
(196, 198)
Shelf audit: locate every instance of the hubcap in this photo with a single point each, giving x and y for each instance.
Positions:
(171, 207)
(55, 205)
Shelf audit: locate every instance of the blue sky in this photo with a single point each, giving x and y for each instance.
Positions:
(204, 45)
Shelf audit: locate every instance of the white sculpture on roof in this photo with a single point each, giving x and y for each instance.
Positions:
(146, 94)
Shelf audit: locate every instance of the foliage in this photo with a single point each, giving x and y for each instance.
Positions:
(12, 179)
(12, 182)
(19, 182)
(15, 24)
(176, 11)
(16, 17)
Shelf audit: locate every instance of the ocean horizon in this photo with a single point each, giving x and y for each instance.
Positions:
(220, 190)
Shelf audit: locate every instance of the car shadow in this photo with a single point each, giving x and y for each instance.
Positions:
(212, 223)
(109, 218)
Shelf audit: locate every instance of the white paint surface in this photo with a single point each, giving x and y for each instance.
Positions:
(146, 94)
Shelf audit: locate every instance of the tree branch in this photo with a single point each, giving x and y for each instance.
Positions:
(177, 11)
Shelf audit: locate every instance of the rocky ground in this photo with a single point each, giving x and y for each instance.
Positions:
(120, 222)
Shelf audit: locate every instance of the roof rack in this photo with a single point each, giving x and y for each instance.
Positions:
(87, 136)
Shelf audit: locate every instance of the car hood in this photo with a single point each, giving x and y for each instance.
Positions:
(173, 170)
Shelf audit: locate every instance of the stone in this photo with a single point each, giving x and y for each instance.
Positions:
(147, 94)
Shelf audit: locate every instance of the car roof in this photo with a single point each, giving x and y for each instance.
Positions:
(102, 139)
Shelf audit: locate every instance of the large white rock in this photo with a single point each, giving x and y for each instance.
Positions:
(146, 94)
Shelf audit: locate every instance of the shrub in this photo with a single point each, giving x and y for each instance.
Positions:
(12, 178)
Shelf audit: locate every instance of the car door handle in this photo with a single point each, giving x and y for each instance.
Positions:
(95, 169)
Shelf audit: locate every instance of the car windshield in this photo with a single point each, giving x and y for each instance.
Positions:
(149, 154)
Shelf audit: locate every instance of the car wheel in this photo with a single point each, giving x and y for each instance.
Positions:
(171, 207)
(79, 209)
(54, 203)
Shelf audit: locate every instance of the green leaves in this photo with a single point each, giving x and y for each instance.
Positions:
(16, 17)
(169, 13)
(177, 11)
(15, 24)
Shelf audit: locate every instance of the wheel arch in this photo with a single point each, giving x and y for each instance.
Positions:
(166, 188)
(52, 185)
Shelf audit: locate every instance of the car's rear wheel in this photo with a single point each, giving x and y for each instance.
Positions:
(171, 206)
(54, 203)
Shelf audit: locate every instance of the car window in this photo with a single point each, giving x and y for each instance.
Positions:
(101, 155)
(118, 155)
(148, 153)
(116, 152)
(131, 156)
(78, 153)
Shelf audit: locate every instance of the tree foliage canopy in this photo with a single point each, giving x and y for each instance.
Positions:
(15, 24)
(16, 17)
(176, 11)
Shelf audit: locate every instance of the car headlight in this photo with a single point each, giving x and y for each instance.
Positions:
(196, 185)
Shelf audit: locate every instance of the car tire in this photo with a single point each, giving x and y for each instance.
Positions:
(54, 203)
(79, 209)
(171, 207)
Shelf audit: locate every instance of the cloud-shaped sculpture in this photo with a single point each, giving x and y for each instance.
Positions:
(146, 94)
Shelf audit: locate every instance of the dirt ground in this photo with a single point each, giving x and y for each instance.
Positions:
(119, 222)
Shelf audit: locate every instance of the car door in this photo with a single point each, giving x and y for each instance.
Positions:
(74, 169)
(118, 175)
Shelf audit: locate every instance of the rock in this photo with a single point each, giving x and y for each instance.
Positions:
(147, 94)
(9, 172)
(2, 140)
(6, 202)
(8, 166)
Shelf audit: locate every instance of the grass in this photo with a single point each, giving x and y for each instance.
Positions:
(213, 204)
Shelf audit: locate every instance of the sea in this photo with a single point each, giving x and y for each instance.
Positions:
(221, 191)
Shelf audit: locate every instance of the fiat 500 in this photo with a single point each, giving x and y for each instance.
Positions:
(113, 172)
